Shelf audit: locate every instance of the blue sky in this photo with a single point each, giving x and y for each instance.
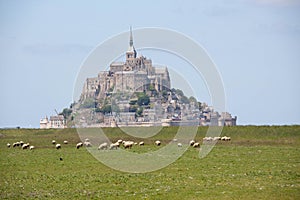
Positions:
(254, 43)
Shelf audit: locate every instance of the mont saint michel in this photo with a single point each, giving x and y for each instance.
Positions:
(136, 93)
(136, 74)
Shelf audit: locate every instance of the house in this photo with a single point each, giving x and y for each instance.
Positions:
(57, 121)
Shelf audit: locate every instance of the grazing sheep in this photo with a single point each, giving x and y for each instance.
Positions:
(117, 144)
(192, 142)
(127, 144)
(157, 143)
(103, 146)
(8, 145)
(216, 138)
(87, 144)
(174, 140)
(16, 144)
(142, 143)
(53, 142)
(21, 143)
(196, 145)
(31, 147)
(120, 141)
(65, 142)
(87, 140)
(114, 146)
(225, 138)
(78, 145)
(179, 145)
(207, 139)
(25, 146)
(58, 146)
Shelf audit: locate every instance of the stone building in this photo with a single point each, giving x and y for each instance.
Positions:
(227, 119)
(133, 75)
(57, 121)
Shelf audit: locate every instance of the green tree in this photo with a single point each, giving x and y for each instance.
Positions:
(66, 112)
(88, 103)
(179, 92)
(199, 105)
(98, 110)
(184, 99)
(143, 100)
(193, 99)
(132, 102)
(133, 108)
(165, 93)
(106, 109)
(151, 87)
(139, 112)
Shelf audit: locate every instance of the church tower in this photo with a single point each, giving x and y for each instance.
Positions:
(130, 53)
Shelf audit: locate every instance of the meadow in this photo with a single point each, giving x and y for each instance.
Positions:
(258, 163)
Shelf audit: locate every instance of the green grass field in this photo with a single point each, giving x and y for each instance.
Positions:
(258, 163)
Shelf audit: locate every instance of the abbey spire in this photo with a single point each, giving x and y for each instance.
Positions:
(131, 38)
(131, 53)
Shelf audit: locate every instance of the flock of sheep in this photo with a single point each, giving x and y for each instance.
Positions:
(129, 144)
(126, 144)
(224, 138)
(117, 144)
(21, 144)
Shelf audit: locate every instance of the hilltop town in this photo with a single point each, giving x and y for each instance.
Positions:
(135, 93)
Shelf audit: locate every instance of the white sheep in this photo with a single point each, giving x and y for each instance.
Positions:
(120, 141)
(207, 139)
(53, 142)
(114, 145)
(87, 144)
(25, 146)
(57, 146)
(8, 145)
(78, 145)
(65, 142)
(225, 138)
(31, 147)
(103, 146)
(16, 144)
(216, 138)
(141, 143)
(21, 143)
(192, 142)
(127, 144)
(196, 145)
(87, 140)
(157, 143)
(117, 143)
(179, 145)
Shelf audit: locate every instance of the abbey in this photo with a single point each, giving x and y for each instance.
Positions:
(133, 75)
(135, 93)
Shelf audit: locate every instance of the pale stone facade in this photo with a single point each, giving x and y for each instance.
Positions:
(137, 74)
(209, 117)
(57, 121)
(133, 75)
